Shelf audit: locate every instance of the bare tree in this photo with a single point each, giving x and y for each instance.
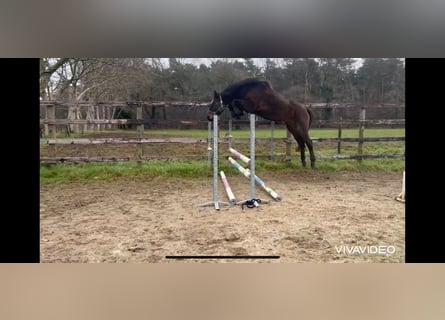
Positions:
(47, 68)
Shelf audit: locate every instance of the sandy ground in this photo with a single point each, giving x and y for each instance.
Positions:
(146, 220)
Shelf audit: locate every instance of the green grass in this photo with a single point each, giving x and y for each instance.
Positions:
(105, 171)
(197, 169)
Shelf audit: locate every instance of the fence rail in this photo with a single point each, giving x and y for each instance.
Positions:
(82, 141)
(123, 103)
(50, 124)
(55, 160)
(204, 122)
(363, 156)
(135, 103)
(379, 139)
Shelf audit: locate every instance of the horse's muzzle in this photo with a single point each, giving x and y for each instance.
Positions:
(210, 116)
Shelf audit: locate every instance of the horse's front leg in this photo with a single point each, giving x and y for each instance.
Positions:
(245, 105)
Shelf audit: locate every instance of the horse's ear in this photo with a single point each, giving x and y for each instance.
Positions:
(215, 94)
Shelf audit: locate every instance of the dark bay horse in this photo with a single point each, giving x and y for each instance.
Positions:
(258, 97)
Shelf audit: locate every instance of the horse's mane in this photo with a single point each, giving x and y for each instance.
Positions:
(237, 88)
(248, 82)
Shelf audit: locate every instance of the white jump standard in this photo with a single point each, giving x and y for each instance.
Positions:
(401, 196)
(215, 201)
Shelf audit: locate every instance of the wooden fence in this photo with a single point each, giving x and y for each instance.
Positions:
(227, 141)
(101, 115)
(51, 122)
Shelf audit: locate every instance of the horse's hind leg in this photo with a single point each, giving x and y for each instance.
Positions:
(308, 142)
(300, 140)
(303, 140)
(302, 151)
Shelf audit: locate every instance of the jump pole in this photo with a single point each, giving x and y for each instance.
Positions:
(215, 201)
(240, 156)
(229, 192)
(246, 172)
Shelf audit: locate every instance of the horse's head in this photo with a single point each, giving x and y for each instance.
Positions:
(216, 106)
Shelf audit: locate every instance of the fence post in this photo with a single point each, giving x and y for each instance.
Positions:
(339, 137)
(288, 146)
(101, 117)
(51, 116)
(109, 116)
(76, 112)
(272, 141)
(45, 126)
(52, 129)
(97, 117)
(83, 127)
(230, 133)
(361, 131)
(140, 132)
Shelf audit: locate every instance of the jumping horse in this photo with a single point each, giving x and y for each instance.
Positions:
(258, 97)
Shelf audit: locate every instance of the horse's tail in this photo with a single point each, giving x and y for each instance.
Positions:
(309, 111)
